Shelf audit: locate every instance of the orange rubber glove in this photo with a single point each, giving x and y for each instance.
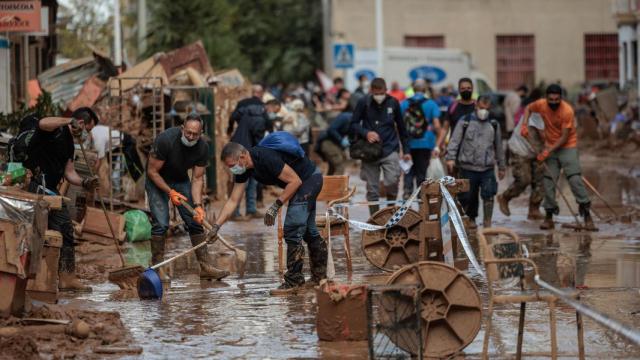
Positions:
(524, 131)
(543, 155)
(199, 215)
(176, 197)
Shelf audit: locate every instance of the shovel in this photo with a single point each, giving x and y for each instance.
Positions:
(241, 255)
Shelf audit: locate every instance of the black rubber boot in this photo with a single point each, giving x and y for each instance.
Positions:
(487, 216)
(317, 260)
(293, 278)
(584, 210)
(207, 271)
(548, 224)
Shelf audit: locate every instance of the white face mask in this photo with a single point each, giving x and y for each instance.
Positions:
(188, 143)
(237, 169)
(482, 114)
(379, 98)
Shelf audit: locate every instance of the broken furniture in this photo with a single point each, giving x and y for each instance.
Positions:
(503, 259)
(335, 190)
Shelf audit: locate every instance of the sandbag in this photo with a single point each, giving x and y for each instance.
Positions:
(137, 226)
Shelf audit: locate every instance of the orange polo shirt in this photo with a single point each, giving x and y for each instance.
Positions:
(555, 121)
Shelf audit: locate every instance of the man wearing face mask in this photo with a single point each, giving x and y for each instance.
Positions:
(252, 121)
(378, 119)
(459, 108)
(176, 151)
(301, 182)
(560, 153)
(476, 148)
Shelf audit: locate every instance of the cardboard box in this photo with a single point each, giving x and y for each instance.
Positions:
(96, 223)
(342, 312)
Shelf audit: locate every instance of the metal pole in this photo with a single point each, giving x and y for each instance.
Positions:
(379, 37)
(631, 334)
(142, 27)
(117, 33)
(326, 37)
(25, 83)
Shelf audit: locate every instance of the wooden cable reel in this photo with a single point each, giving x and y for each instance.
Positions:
(450, 309)
(391, 249)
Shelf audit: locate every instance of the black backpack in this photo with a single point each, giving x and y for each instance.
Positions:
(18, 146)
(414, 118)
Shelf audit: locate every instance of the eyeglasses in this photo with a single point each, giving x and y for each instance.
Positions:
(191, 133)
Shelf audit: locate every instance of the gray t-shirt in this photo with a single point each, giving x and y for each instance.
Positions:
(521, 146)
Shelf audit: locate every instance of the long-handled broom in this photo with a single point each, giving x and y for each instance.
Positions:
(125, 277)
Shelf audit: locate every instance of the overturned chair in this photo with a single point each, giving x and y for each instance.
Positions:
(335, 190)
(503, 259)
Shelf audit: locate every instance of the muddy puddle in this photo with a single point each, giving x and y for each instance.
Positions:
(237, 318)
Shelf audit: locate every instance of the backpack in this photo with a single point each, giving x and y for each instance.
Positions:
(284, 142)
(18, 146)
(414, 118)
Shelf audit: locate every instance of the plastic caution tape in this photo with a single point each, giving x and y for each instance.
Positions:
(397, 216)
(457, 223)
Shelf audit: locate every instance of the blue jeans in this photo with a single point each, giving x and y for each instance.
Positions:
(250, 198)
(299, 225)
(159, 206)
(481, 183)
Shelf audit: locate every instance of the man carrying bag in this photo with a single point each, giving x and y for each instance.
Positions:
(377, 142)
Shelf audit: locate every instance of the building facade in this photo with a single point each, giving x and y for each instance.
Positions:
(511, 41)
(627, 15)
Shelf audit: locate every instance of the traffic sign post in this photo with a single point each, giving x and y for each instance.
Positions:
(343, 55)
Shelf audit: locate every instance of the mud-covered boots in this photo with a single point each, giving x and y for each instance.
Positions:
(534, 212)
(487, 207)
(548, 224)
(317, 260)
(157, 256)
(293, 278)
(503, 203)
(68, 281)
(585, 212)
(207, 271)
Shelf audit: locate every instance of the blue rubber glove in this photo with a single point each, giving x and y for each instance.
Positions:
(345, 142)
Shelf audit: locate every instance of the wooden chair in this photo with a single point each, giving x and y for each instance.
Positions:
(502, 254)
(335, 190)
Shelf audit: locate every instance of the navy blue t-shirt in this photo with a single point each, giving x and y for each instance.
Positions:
(268, 165)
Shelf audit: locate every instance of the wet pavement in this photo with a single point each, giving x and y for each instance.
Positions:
(237, 318)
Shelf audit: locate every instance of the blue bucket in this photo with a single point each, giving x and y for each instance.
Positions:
(149, 285)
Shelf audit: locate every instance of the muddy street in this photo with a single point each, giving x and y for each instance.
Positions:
(237, 318)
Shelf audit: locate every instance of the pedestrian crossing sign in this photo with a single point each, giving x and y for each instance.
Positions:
(343, 56)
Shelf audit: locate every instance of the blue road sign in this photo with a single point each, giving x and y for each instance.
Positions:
(343, 56)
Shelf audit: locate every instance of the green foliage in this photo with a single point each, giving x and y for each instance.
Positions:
(44, 107)
(269, 40)
(81, 24)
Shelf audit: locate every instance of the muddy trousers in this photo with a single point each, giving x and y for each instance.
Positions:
(299, 226)
(335, 156)
(481, 183)
(418, 172)
(370, 173)
(525, 172)
(567, 160)
(159, 207)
